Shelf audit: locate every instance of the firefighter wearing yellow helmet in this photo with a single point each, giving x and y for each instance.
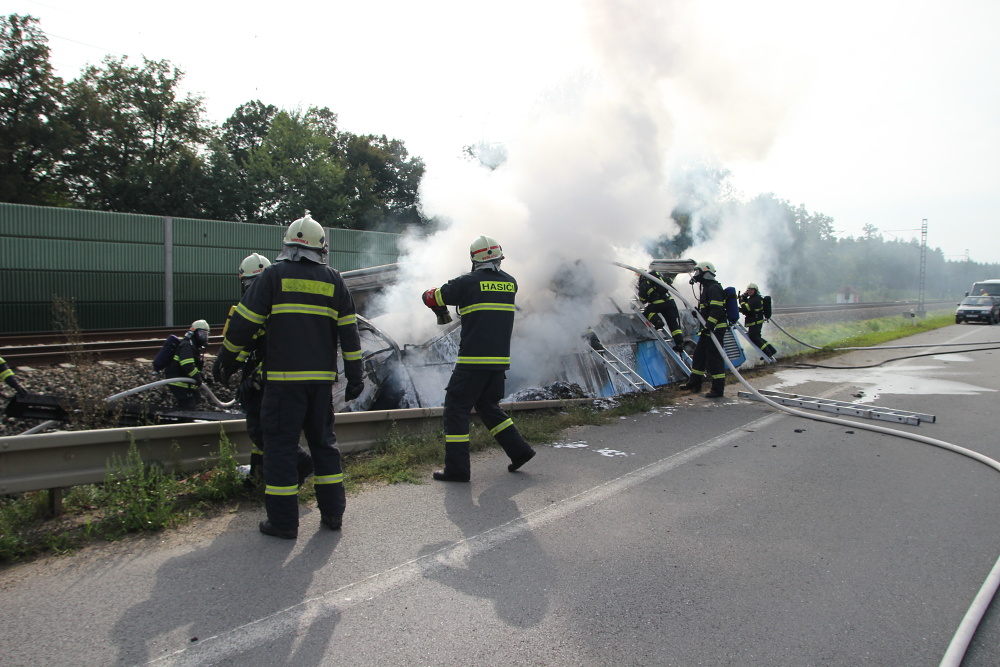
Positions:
(712, 308)
(310, 314)
(752, 305)
(485, 301)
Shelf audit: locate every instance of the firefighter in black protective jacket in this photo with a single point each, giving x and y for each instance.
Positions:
(712, 307)
(7, 375)
(752, 307)
(308, 309)
(188, 361)
(250, 392)
(658, 301)
(485, 300)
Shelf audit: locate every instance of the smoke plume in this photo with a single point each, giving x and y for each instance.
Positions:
(591, 178)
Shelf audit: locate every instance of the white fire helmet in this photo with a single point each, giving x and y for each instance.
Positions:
(306, 233)
(253, 265)
(704, 267)
(753, 286)
(199, 333)
(485, 249)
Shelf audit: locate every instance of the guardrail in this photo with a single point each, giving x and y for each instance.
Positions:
(69, 458)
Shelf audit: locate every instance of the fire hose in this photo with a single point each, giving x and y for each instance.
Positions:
(967, 628)
(111, 399)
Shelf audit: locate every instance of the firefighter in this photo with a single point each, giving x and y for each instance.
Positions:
(7, 375)
(712, 308)
(658, 301)
(309, 311)
(485, 300)
(752, 307)
(250, 391)
(188, 361)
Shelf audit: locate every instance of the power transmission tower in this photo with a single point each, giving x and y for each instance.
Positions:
(921, 311)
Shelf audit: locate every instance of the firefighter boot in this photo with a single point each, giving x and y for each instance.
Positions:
(282, 516)
(457, 466)
(693, 384)
(678, 343)
(332, 501)
(718, 389)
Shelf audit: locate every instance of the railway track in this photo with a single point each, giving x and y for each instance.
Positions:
(51, 348)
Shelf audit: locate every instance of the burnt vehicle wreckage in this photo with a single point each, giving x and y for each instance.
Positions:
(622, 352)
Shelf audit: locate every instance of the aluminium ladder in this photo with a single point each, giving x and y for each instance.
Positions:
(619, 367)
(841, 407)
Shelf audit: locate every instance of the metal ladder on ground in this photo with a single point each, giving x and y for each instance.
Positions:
(746, 336)
(680, 358)
(843, 408)
(617, 366)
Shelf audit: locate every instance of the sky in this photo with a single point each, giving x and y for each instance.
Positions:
(875, 112)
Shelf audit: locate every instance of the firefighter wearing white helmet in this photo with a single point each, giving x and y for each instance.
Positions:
(485, 249)
(250, 392)
(310, 314)
(188, 362)
(252, 266)
(485, 300)
(712, 307)
(756, 309)
(305, 239)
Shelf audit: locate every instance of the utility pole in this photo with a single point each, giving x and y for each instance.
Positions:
(921, 310)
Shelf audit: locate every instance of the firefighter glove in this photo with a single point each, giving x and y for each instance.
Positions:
(221, 372)
(430, 300)
(353, 390)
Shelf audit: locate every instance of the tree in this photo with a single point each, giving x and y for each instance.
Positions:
(33, 133)
(381, 183)
(141, 143)
(298, 168)
(235, 195)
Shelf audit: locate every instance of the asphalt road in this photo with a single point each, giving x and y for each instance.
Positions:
(712, 533)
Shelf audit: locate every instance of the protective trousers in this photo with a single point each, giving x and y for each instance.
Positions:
(287, 410)
(251, 399)
(753, 332)
(482, 390)
(187, 399)
(668, 309)
(707, 358)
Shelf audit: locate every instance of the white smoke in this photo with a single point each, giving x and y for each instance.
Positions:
(587, 181)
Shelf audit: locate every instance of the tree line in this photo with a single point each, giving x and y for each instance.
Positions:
(810, 262)
(122, 137)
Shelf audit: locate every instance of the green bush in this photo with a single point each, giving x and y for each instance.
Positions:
(138, 497)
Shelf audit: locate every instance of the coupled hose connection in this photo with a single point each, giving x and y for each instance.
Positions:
(152, 385)
(967, 628)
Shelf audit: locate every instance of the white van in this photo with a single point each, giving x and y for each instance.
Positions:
(985, 287)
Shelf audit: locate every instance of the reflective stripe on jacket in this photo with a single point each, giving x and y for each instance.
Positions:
(485, 300)
(712, 304)
(309, 311)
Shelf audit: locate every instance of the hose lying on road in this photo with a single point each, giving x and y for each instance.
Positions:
(880, 347)
(159, 383)
(967, 628)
